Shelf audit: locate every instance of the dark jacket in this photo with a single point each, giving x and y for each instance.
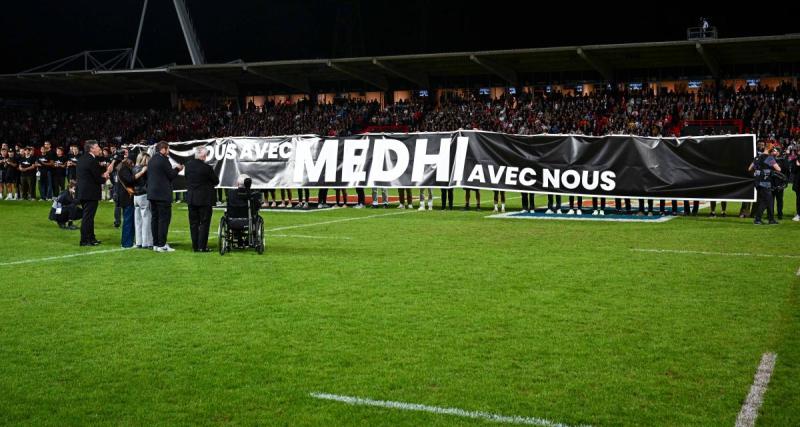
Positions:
(200, 183)
(160, 174)
(140, 184)
(124, 180)
(90, 178)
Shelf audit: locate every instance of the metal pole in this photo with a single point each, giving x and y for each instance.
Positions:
(138, 36)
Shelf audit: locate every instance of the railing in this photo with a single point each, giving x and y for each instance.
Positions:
(697, 33)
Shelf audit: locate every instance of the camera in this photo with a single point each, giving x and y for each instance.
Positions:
(118, 156)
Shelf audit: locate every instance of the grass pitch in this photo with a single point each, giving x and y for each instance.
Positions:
(559, 320)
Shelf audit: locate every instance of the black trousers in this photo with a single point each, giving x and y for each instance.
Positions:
(550, 204)
(199, 223)
(778, 196)
(618, 203)
(527, 201)
(447, 197)
(602, 203)
(649, 205)
(572, 202)
(322, 196)
(405, 198)
(159, 223)
(58, 184)
(361, 197)
(714, 206)
(87, 220)
(765, 202)
(300, 192)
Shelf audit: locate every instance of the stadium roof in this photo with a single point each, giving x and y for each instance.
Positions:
(730, 57)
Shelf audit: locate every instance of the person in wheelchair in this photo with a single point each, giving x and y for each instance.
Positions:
(242, 226)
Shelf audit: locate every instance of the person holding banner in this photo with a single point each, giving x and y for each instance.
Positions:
(422, 199)
(384, 194)
(447, 197)
(477, 199)
(502, 197)
(527, 202)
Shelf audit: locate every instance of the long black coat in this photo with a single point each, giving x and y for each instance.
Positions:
(160, 174)
(200, 183)
(90, 178)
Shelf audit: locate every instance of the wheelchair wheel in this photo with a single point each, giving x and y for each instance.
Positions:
(259, 234)
(222, 237)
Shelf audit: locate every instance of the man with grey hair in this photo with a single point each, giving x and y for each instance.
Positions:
(200, 196)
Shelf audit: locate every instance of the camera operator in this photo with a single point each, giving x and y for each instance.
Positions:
(780, 184)
(65, 208)
(763, 167)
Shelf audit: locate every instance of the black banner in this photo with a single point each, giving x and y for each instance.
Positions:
(687, 168)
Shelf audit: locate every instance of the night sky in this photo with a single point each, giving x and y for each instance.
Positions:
(36, 31)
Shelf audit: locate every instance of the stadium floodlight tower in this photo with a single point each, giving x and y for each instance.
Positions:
(192, 43)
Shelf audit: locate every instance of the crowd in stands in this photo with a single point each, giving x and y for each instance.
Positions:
(770, 113)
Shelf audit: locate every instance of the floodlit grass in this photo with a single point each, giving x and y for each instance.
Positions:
(551, 319)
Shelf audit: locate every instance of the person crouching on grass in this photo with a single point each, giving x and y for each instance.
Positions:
(65, 208)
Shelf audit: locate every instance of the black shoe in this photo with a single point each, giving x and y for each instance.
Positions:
(96, 242)
(116, 225)
(465, 208)
(773, 222)
(90, 243)
(203, 250)
(757, 222)
(71, 227)
(780, 216)
(62, 226)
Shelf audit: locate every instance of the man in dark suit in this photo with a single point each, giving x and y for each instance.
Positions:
(200, 196)
(90, 177)
(160, 174)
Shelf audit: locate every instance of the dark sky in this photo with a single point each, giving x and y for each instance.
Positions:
(37, 31)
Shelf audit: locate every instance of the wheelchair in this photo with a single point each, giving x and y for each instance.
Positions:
(241, 226)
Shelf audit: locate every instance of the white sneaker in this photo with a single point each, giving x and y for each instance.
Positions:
(430, 206)
(157, 249)
(502, 209)
(495, 209)
(796, 218)
(548, 212)
(569, 212)
(359, 206)
(282, 205)
(602, 212)
(401, 206)
(578, 212)
(421, 207)
(557, 211)
(167, 248)
(410, 206)
(526, 211)
(595, 212)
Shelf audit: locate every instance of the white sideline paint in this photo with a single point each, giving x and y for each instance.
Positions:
(674, 251)
(350, 400)
(747, 416)
(27, 261)
(289, 227)
(303, 236)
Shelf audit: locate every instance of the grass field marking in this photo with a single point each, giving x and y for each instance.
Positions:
(747, 416)
(305, 236)
(333, 221)
(798, 272)
(676, 251)
(350, 400)
(27, 261)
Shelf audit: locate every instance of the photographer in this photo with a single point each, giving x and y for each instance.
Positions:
(65, 208)
(763, 167)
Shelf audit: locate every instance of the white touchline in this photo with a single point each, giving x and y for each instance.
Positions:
(27, 261)
(747, 416)
(673, 251)
(350, 400)
(303, 236)
(289, 227)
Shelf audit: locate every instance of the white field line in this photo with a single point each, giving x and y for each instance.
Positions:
(798, 272)
(290, 227)
(350, 400)
(747, 416)
(27, 261)
(304, 236)
(673, 251)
